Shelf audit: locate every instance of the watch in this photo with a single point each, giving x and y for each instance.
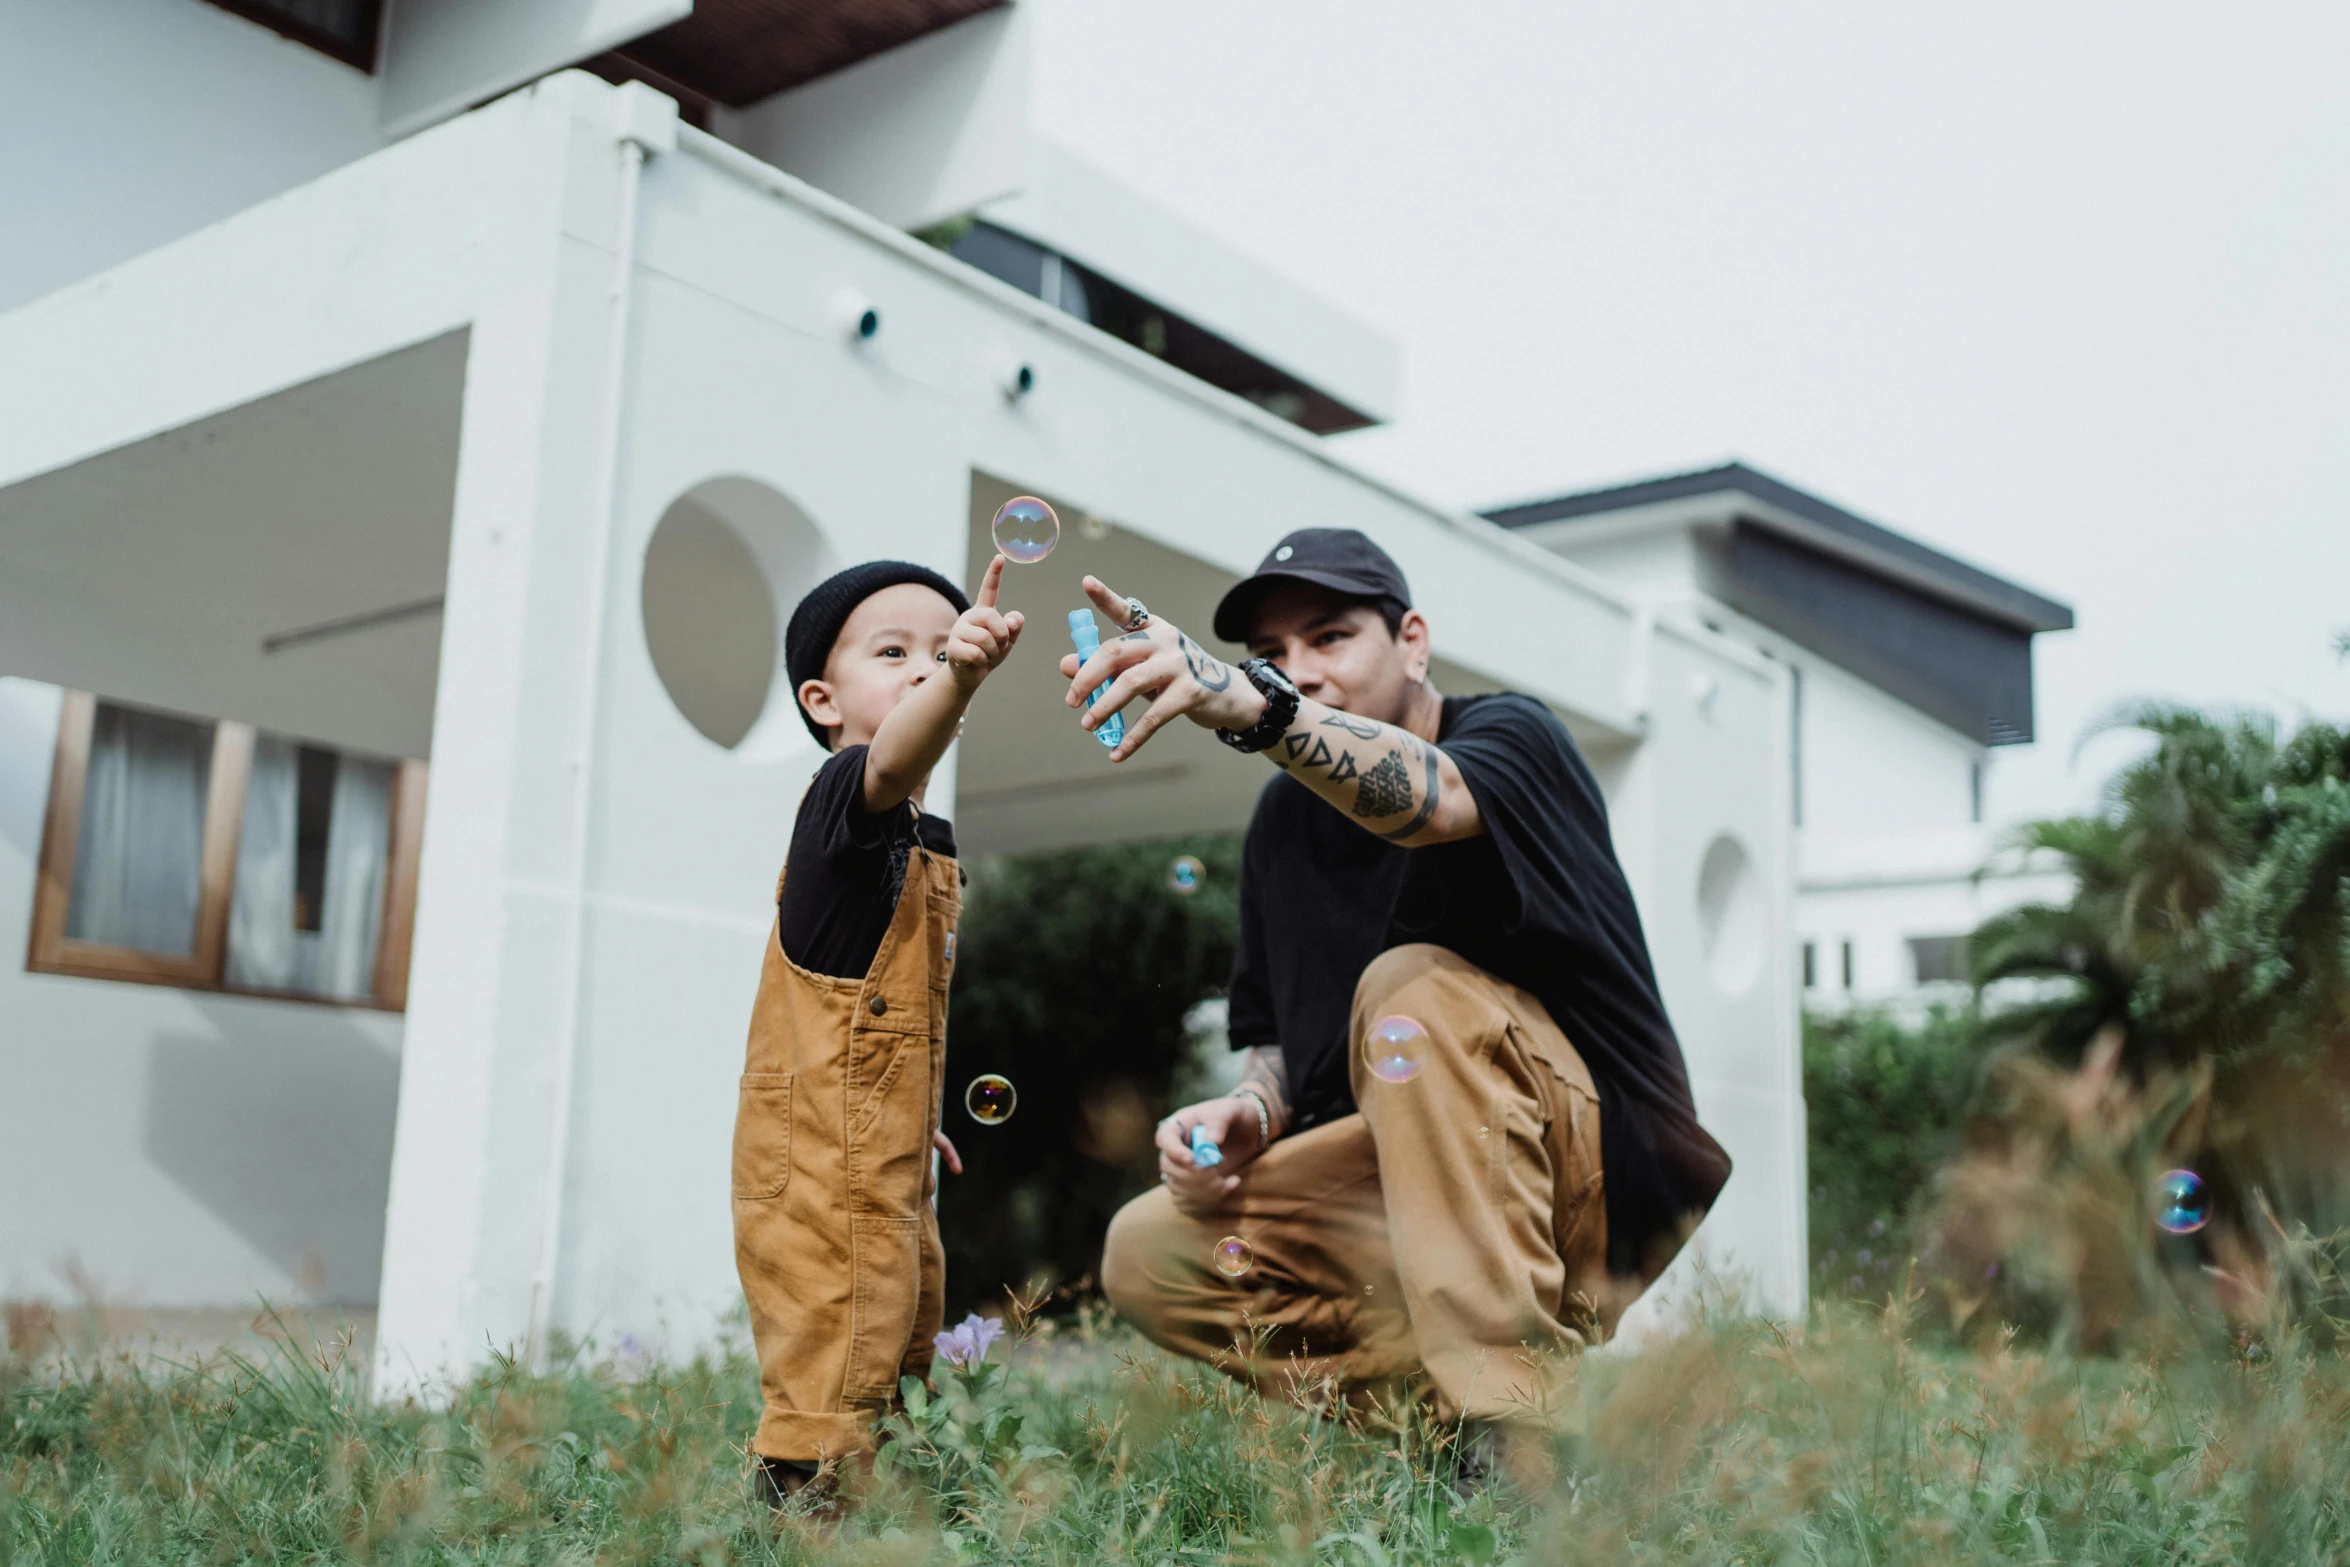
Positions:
(1281, 701)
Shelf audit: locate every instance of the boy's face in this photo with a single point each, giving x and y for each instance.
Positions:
(1339, 651)
(890, 644)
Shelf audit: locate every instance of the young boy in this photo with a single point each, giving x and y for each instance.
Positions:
(834, 1234)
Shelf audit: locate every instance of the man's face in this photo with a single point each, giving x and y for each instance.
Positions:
(1340, 652)
(890, 644)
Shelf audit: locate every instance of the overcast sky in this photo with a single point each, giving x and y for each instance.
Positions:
(2062, 288)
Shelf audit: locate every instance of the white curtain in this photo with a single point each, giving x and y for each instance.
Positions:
(358, 845)
(261, 935)
(138, 868)
(265, 949)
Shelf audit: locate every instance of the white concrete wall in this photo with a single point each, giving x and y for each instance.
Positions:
(917, 134)
(1708, 782)
(1874, 764)
(133, 122)
(166, 1147)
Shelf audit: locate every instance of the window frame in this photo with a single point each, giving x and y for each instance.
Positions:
(52, 951)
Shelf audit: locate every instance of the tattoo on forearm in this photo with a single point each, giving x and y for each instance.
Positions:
(1309, 751)
(1385, 789)
(1427, 810)
(1210, 671)
(1267, 1075)
(1360, 728)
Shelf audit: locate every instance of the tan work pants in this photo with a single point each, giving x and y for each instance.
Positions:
(834, 1235)
(1452, 1234)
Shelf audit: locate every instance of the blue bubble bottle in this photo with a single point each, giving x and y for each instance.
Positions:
(1089, 642)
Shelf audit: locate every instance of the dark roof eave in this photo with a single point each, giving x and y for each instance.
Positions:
(1913, 561)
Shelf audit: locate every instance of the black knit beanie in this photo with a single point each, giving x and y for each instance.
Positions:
(815, 625)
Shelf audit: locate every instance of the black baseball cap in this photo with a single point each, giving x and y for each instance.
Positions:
(1344, 560)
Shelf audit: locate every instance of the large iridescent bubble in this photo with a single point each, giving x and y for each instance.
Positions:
(1025, 529)
(990, 1099)
(2182, 1203)
(1395, 1049)
(1234, 1256)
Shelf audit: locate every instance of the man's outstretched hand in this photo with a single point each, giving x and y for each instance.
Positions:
(1163, 667)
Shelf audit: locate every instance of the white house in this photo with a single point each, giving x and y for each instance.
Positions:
(398, 510)
(1907, 670)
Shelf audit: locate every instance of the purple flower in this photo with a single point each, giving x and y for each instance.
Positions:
(966, 1344)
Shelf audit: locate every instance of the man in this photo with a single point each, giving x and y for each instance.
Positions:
(1464, 1139)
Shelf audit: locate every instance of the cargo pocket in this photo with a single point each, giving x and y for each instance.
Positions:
(886, 1266)
(762, 1136)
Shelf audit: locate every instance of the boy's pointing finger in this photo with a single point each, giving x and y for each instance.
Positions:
(991, 584)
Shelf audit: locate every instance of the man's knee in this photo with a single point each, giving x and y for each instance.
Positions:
(1134, 1257)
(1421, 979)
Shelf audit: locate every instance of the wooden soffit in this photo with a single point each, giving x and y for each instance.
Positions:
(736, 52)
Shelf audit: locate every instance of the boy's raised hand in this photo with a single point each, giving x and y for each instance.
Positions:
(983, 636)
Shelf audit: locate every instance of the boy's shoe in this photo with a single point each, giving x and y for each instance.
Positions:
(803, 1487)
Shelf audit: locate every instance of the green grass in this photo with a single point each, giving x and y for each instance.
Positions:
(1739, 1442)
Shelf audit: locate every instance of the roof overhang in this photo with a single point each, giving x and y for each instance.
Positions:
(736, 52)
(1735, 493)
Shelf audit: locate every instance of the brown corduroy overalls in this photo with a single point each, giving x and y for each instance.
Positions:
(834, 1234)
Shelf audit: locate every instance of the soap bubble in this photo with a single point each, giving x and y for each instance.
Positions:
(1025, 529)
(990, 1099)
(2182, 1203)
(1234, 1256)
(1186, 874)
(1395, 1049)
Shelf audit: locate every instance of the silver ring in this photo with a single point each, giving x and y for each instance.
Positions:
(1137, 616)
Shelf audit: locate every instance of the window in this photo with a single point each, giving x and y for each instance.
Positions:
(1940, 960)
(1848, 965)
(1092, 298)
(344, 30)
(1811, 965)
(1974, 787)
(180, 851)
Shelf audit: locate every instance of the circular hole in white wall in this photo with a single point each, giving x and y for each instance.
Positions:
(724, 568)
(1732, 915)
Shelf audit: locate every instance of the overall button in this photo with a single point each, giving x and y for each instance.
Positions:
(878, 1006)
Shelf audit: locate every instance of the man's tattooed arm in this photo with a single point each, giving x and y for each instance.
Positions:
(1389, 779)
(1268, 1078)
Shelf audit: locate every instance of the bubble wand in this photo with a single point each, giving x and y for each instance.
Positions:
(1089, 642)
(1204, 1151)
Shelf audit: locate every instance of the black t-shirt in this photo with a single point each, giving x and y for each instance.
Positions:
(847, 868)
(1538, 900)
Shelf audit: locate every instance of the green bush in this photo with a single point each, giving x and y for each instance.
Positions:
(1076, 970)
(1886, 1101)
